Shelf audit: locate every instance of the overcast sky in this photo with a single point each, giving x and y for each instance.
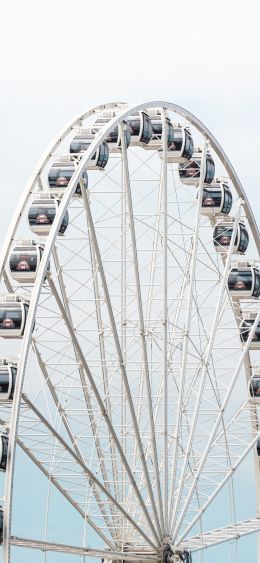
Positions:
(59, 57)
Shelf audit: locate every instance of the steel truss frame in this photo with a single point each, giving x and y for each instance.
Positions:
(159, 524)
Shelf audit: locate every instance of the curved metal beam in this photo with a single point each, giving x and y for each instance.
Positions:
(51, 239)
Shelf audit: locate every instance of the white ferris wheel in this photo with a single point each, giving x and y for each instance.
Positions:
(129, 349)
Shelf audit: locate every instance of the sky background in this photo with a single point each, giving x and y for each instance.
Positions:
(60, 57)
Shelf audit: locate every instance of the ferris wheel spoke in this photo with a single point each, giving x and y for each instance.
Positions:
(235, 431)
(56, 400)
(73, 439)
(205, 363)
(149, 304)
(65, 494)
(83, 467)
(245, 407)
(228, 475)
(115, 278)
(221, 535)
(214, 430)
(121, 360)
(171, 351)
(145, 162)
(104, 363)
(108, 555)
(165, 321)
(232, 428)
(201, 355)
(127, 394)
(57, 485)
(180, 299)
(126, 180)
(101, 405)
(172, 244)
(100, 327)
(186, 337)
(156, 234)
(88, 401)
(34, 178)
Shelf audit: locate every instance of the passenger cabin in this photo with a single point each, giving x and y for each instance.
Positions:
(140, 129)
(216, 198)
(3, 451)
(13, 315)
(222, 234)
(189, 172)
(113, 139)
(245, 329)
(244, 280)
(61, 173)
(42, 213)
(8, 373)
(80, 144)
(155, 143)
(181, 148)
(254, 385)
(24, 261)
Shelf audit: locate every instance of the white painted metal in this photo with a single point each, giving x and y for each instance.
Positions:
(103, 361)
(155, 522)
(221, 535)
(206, 360)
(89, 406)
(103, 410)
(141, 323)
(75, 550)
(69, 430)
(98, 531)
(164, 181)
(186, 342)
(121, 363)
(218, 420)
(86, 470)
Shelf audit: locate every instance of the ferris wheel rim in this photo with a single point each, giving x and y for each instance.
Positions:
(65, 202)
(120, 116)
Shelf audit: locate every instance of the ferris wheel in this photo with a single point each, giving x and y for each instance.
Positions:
(130, 347)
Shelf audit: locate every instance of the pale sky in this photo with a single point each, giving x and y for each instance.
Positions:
(59, 57)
